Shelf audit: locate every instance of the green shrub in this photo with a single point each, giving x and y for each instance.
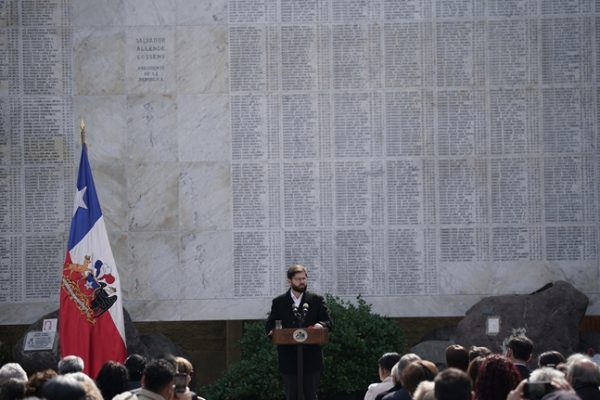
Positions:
(255, 375)
(359, 337)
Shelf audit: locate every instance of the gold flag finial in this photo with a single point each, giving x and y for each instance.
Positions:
(82, 130)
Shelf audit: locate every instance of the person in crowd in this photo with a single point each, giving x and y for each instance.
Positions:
(398, 392)
(157, 383)
(424, 391)
(299, 308)
(417, 372)
(561, 390)
(519, 349)
(13, 389)
(69, 364)
(12, 371)
(63, 387)
(457, 357)
(584, 376)
(453, 384)
(135, 364)
(37, 380)
(112, 379)
(478, 351)
(550, 359)
(91, 390)
(395, 381)
(473, 369)
(185, 371)
(548, 374)
(384, 368)
(497, 376)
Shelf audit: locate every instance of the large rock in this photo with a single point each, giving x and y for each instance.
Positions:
(150, 346)
(550, 317)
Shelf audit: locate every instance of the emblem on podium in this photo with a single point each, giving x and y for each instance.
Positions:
(300, 335)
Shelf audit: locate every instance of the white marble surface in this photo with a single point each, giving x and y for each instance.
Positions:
(202, 48)
(87, 13)
(99, 61)
(203, 128)
(153, 197)
(205, 196)
(158, 125)
(151, 129)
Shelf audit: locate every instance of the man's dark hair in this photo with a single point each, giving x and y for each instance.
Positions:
(63, 387)
(452, 384)
(135, 364)
(521, 347)
(550, 359)
(158, 374)
(12, 389)
(388, 360)
(294, 269)
(478, 351)
(457, 357)
(112, 379)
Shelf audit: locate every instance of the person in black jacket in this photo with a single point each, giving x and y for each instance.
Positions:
(299, 308)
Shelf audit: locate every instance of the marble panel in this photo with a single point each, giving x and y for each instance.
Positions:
(206, 265)
(150, 60)
(201, 12)
(202, 59)
(205, 196)
(203, 125)
(98, 12)
(105, 127)
(99, 61)
(151, 128)
(119, 244)
(110, 178)
(209, 309)
(152, 196)
(152, 271)
(149, 12)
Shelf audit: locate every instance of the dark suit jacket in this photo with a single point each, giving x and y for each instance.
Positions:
(523, 370)
(281, 309)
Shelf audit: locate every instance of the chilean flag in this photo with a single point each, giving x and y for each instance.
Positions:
(91, 322)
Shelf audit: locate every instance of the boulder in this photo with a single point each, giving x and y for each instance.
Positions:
(432, 350)
(151, 346)
(550, 317)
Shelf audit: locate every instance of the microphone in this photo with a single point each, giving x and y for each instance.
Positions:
(305, 308)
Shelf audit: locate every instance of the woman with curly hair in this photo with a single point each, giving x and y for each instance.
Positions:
(497, 376)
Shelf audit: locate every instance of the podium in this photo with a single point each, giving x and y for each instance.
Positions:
(299, 337)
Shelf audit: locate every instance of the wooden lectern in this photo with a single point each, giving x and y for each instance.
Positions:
(298, 337)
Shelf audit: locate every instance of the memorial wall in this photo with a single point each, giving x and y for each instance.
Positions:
(422, 154)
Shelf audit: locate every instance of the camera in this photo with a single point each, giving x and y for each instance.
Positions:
(537, 390)
(180, 383)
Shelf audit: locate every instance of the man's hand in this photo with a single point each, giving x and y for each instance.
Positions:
(318, 326)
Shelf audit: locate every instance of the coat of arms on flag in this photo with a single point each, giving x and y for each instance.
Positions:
(89, 287)
(91, 322)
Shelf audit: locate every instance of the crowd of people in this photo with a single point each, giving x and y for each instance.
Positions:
(477, 373)
(137, 378)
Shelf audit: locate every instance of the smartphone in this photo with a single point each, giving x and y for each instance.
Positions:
(180, 383)
(537, 390)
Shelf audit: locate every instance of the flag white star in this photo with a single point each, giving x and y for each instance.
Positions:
(79, 202)
(88, 285)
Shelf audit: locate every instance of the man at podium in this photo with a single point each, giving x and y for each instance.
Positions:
(299, 308)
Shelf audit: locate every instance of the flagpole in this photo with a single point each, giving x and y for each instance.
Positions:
(82, 130)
